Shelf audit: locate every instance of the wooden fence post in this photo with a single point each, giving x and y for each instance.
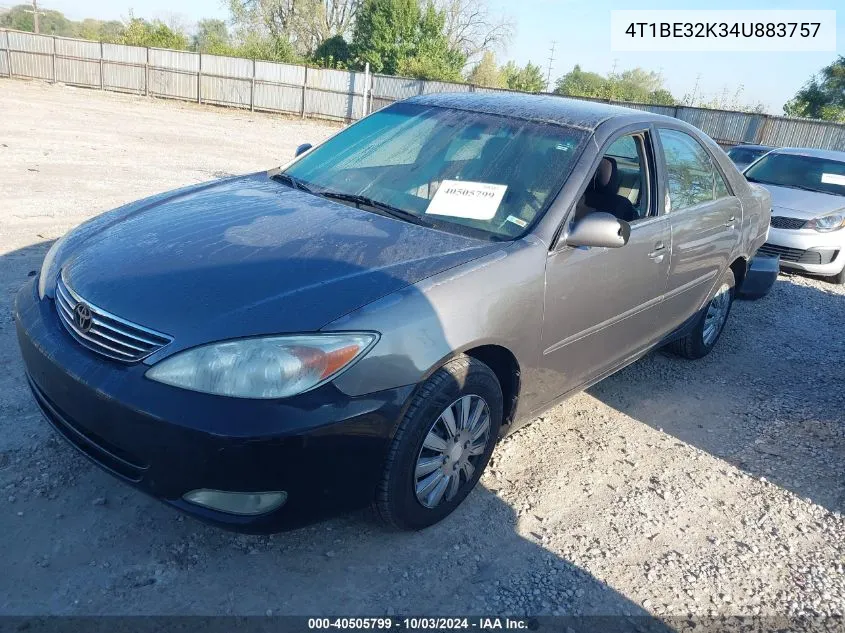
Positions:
(102, 82)
(199, 79)
(54, 59)
(252, 88)
(147, 74)
(304, 90)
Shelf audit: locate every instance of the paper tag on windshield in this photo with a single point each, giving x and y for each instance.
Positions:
(828, 179)
(465, 199)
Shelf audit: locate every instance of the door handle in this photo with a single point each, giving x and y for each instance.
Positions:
(730, 223)
(658, 252)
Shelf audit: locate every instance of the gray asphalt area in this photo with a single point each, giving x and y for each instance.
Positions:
(674, 487)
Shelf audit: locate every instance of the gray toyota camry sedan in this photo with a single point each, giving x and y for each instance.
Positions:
(361, 325)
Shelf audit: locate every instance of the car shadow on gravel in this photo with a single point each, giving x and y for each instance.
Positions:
(77, 541)
(768, 399)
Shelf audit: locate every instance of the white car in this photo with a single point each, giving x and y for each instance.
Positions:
(808, 209)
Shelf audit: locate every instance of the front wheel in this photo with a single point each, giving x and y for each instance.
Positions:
(442, 445)
(711, 321)
(839, 278)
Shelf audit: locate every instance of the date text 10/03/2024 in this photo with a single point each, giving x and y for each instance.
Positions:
(420, 623)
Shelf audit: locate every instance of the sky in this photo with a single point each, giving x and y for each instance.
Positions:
(581, 30)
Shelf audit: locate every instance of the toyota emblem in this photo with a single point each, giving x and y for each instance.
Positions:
(82, 315)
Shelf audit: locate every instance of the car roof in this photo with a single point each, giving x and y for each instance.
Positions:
(831, 154)
(542, 108)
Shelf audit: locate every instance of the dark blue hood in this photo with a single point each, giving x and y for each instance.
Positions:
(250, 256)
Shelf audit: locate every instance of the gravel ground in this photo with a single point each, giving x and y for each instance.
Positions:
(672, 488)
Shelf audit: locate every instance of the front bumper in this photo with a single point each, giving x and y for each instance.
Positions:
(324, 448)
(807, 250)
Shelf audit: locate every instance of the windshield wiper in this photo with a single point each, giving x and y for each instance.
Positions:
(386, 209)
(292, 182)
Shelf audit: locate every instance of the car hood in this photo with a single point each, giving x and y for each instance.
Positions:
(798, 203)
(249, 256)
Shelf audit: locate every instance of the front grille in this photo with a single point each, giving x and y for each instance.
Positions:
(783, 222)
(797, 255)
(105, 333)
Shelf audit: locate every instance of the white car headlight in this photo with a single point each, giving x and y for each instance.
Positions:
(267, 367)
(827, 223)
(48, 268)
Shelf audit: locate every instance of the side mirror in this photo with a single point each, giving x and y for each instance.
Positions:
(599, 229)
(302, 149)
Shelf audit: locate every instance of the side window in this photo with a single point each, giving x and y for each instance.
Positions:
(688, 168)
(620, 185)
(624, 147)
(720, 188)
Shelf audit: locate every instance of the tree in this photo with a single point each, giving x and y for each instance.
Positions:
(486, 72)
(473, 29)
(384, 33)
(140, 32)
(578, 83)
(634, 86)
(432, 57)
(49, 23)
(822, 98)
(661, 96)
(272, 49)
(638, 85)
(527, 79)
(212, 36)
(108, 31)
(333, 53)
(401, 37)
(305, 24)
(332, 18)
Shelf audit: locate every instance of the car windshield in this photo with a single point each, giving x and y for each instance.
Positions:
(468, 172)
(824, 175)
(745, 155)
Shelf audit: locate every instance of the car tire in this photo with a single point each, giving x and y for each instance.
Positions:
(710, 323)
(838, 279)
(407, 495)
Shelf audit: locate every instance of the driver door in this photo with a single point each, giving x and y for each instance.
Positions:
(603, 305)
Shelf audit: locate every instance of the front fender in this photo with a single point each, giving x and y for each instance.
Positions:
(496, 299)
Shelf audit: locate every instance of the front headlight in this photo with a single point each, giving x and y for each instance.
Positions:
(48, 271)
(267, 367)
(827, 223)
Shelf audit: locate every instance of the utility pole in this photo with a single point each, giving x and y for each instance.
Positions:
(35, 13)
(549, 72)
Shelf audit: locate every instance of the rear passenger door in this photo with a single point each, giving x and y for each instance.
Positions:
(704, 218)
